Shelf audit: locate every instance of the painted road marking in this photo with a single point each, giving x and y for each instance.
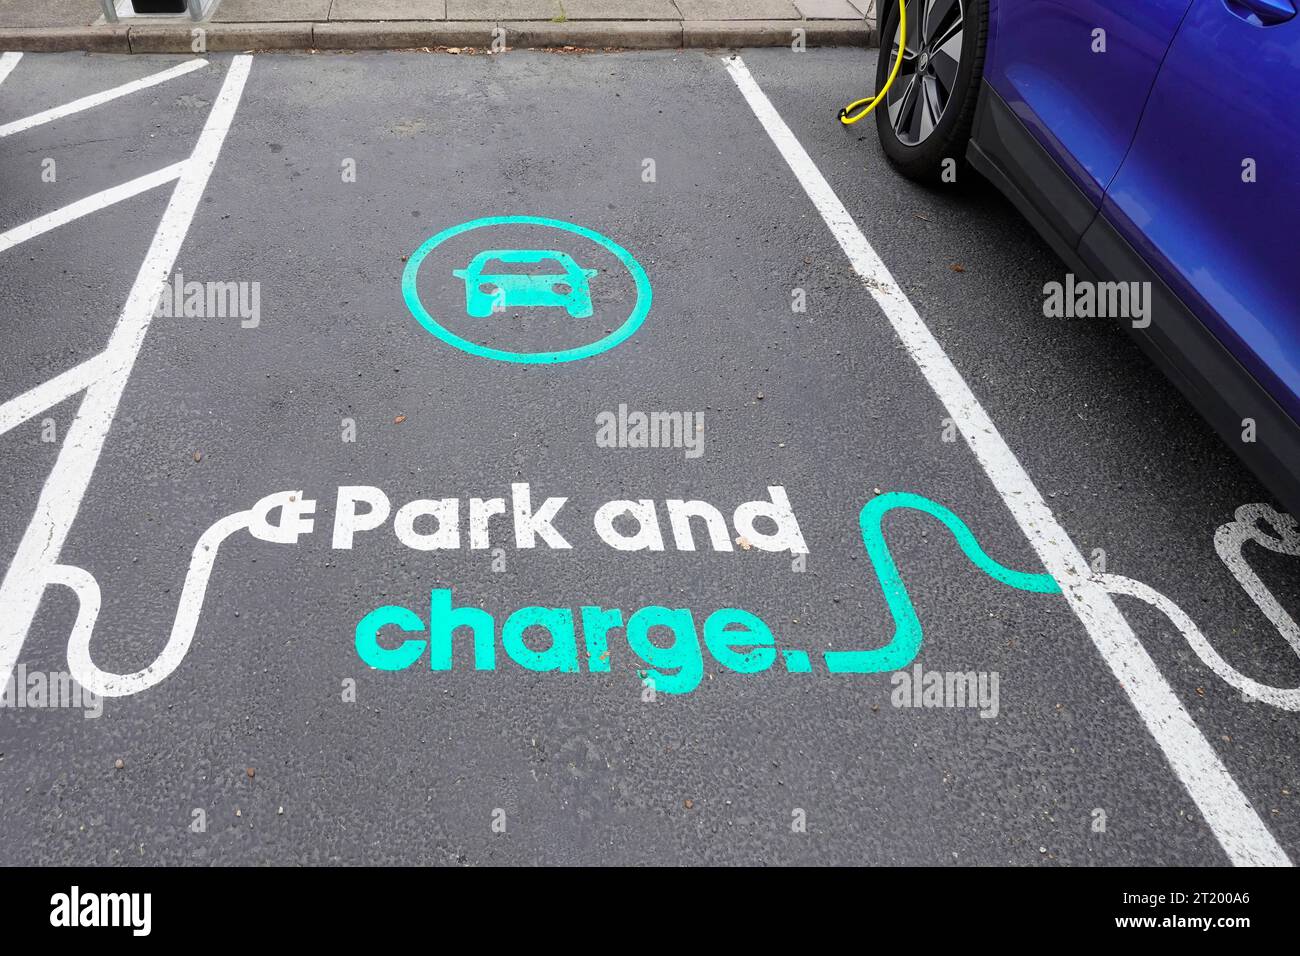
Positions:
(906, 642)
(96, 99)
(36, 562)
(1229, 543)
(1227, 811)
(524, 289)
(1283, 698)
(626, 330)
(7, 63)
(83, 584)
(50, 392)
(1282, 537)
(92, 203)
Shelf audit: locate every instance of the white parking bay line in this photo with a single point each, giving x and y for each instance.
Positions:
(96, 99)
(1236, 825)
(92, 203)
(7, 63)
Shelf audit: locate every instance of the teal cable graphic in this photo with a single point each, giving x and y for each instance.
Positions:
(901, 650)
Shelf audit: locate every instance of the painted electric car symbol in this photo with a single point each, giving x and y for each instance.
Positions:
(486, 292)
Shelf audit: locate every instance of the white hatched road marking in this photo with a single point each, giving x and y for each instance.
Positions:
(34, 564)
(92, 203)
(50, 392)
(7, 63)
(97, 99)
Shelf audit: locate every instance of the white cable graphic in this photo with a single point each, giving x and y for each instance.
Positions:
(1229, 542)
(293, 523)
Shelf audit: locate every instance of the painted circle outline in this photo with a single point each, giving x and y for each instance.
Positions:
(431, 325)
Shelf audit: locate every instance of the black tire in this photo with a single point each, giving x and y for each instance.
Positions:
(922, 159)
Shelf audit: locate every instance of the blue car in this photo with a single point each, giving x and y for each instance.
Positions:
(1148, 141)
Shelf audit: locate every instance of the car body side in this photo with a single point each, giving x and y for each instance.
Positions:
(1131, 160)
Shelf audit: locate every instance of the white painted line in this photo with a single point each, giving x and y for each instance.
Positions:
(38, 552)
(7, 63)
(50, 392)
(97, 99)
(92, 203)
(1226, 809)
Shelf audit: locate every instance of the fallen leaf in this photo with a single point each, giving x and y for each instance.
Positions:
(744, 543)
(399, 419)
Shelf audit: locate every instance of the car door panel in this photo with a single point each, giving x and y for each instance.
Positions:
(1224, 111)
(1081, 93)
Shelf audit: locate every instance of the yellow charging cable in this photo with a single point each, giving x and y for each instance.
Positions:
(865, 106)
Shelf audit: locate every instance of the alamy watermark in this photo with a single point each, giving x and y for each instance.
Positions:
(74, 908)
(1084, 299)
(971, 689)
(210, 300)
(633, 429)
(55, 689)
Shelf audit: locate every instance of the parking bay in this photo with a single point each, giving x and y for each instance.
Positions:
(340, 384)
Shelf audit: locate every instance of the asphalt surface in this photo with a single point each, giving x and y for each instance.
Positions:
(425, 765)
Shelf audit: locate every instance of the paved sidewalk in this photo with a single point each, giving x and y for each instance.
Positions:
(450, 24)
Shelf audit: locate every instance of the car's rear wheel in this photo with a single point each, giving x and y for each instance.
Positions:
(927, 114)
